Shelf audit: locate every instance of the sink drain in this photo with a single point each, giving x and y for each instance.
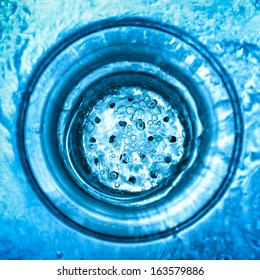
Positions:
(131, 129)
(129, 138)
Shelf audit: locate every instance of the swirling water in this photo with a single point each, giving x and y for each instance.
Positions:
(228, 30)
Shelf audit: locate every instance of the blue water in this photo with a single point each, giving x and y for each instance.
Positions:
(31, 229)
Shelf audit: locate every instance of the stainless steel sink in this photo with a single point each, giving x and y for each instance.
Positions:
(129, 130)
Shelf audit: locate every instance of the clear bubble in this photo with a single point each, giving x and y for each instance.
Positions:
(113, 175)
(89, 126)
(156, 110)
(103, 176)
(154, 118)
(127, 148)
(142, 103)
(139, 114)
(152, 103)
(121, 109)
(136, 104)
(130, 110)
(36, 128)
(140, 125)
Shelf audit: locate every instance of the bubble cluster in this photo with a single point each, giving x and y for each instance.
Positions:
(133, 139)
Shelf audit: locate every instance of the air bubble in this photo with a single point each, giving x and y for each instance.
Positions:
(140, 125)
(127, 148)
(156, 110)
(36, 128)
(154, 118)
(142, 103)
(139, 114)
(89, 126)
(121, 109)
(103, 175)
(125, 158)
(151, 104)
(130, 110)
(113, 175)
(136, 104)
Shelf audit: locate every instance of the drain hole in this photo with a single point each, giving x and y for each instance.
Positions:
(136, 139)
(141, 128)
(132, 180)
(97, 120)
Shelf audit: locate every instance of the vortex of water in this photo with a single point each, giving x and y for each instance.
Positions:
(132, 130)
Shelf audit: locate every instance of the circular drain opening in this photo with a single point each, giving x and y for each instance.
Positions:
(132, 133)
(132, 130)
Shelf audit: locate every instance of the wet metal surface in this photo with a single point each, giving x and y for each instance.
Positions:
(32, 226)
